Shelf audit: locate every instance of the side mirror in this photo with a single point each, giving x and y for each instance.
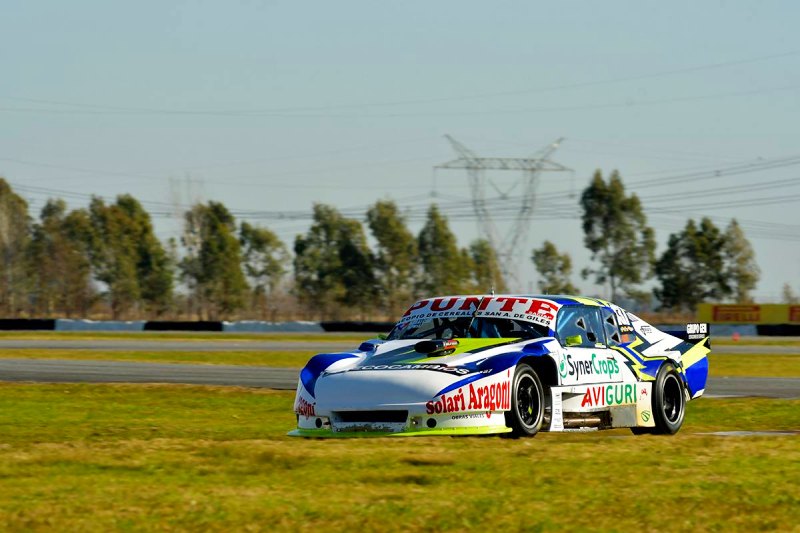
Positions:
(574, 340)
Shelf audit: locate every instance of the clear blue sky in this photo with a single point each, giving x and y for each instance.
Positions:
(271, 106)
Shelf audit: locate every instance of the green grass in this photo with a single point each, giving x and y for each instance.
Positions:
(132, 457)
(755, 341)
(755, 365)
(286, 359)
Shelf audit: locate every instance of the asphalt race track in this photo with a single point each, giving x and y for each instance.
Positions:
(69, 371)
(89, 371)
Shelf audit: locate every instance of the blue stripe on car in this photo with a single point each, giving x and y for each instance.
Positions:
(317, 365)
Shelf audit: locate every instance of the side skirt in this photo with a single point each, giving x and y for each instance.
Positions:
(601, 406)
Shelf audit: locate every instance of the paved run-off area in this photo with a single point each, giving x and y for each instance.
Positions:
(88, 371)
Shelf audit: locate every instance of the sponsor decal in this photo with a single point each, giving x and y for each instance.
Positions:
(696, 332)
(584, 367)
(625, 328)
(643, 393)
(457, 370)
(531, 309)
(646, 330)
(467, 416)
(494, 397)
(645, 416)
(737, 313)
(447, 404)
(419, 305)
(608, 395)
(622, 316)
(303, 408)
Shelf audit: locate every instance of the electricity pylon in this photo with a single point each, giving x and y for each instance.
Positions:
(510, 243)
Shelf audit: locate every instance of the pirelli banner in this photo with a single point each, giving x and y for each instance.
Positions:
(748, 314)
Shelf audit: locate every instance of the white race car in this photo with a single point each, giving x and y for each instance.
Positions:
(469, 365)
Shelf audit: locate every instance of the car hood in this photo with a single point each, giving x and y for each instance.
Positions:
(393, 374)
(466, 352)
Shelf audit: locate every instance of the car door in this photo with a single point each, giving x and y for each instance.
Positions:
(586, 357)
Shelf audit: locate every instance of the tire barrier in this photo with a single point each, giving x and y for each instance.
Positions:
(779, 330)
(359, 327)
(27, 324)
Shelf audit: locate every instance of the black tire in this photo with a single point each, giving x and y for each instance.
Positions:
(669, 403)
(528, 400)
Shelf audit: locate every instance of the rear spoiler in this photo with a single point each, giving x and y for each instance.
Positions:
(693, 332)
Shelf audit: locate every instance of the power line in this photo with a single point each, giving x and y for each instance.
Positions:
(267, 111)
(516, 111)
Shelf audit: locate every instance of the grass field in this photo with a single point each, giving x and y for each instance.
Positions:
(755, 365)
(131, 457)
(756, 341)
(286, 359)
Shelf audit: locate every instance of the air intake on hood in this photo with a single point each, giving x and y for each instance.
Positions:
(436, 347)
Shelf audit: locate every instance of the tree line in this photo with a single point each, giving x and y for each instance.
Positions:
(106, 261)
(701, 263)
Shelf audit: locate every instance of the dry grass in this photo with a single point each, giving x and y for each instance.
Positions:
(755, 365)
(286, 359)
(131, 457)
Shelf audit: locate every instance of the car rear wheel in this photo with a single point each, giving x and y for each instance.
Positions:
(527, 403)
(669, 403)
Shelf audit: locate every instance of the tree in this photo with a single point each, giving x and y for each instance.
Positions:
(692, 269)
(60, 263)
(212, 266)
(15, 228)
(555, 269)
(788, 296)
(444, 270)
(333, 266)
(616, 232)
(128, 258)
(485, 268)
(742, 270)
(396, 260)
(265, 257)
(357, 267)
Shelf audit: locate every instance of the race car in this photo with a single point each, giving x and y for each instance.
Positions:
(516, 364)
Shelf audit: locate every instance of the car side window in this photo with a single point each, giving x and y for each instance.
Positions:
(583, 321)
(610, 325)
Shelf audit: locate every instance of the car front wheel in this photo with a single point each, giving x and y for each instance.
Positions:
(527, 403)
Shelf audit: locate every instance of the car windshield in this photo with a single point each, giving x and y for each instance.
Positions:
(466, 327)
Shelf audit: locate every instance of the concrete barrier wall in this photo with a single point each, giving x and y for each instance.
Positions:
(66, 324)
(244, 326)
(257, 326)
